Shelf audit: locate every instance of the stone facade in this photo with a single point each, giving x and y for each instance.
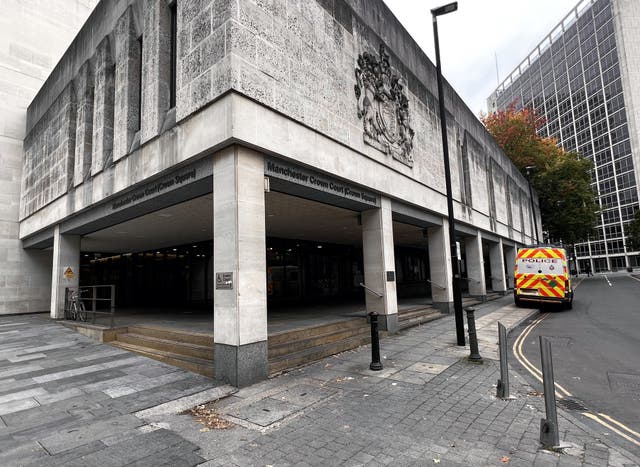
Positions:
(26, 60)
(256, 78)
(49, 154)
(103, 108)
(298, 59)
(127, 93)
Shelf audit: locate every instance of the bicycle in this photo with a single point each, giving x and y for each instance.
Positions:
(77, 310)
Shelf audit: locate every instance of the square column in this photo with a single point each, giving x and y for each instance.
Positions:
(475, 266)
(498, 276)
(510, 259)
(66, 259)
(440, 267)
(379, 264)
(239, 265)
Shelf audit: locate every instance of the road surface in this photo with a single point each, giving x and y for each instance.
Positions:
(596, 350)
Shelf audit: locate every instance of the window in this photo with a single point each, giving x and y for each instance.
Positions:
(174, 49)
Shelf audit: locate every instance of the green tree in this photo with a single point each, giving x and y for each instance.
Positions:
(561, 179)
(633, 233)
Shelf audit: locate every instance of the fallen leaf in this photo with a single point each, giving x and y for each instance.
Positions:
(436, 461)
(505, 459)
(206, 415)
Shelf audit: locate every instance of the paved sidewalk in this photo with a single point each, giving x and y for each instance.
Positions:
(428, 406)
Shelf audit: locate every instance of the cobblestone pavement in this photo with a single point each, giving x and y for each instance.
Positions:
(428, 406)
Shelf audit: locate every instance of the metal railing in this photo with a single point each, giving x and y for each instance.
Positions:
(436, 285)
(369, 289)
(94, 298)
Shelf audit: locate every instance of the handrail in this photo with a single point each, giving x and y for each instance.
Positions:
(94, 299)
(438, 286)
(369, 289)
(469, 279)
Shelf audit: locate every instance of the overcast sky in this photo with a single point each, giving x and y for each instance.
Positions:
(472, 37)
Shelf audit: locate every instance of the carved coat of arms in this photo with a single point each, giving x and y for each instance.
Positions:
(383, 107)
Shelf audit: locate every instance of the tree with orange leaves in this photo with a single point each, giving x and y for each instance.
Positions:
(562, 179)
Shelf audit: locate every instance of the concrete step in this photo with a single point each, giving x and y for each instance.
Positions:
(166, 345)
(197, 365)
(185, 337)
(310, 355)
(316, 338)
(304, 333)
(415, 318)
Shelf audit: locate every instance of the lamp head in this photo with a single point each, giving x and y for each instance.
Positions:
(443, 10)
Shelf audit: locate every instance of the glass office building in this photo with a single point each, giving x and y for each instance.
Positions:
(583, 78)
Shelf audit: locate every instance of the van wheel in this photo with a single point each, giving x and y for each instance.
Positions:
(568, 305)
(517, 301)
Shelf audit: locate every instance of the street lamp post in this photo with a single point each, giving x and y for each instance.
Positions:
(455, 267)
(533, 208)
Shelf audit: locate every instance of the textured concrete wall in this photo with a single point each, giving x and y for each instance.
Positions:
(33, 35)
(127, 84)
(299, 58)
(296, 58)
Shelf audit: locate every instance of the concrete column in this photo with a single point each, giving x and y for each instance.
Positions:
(84, 124)
(379, 264)
(496, 258)
(66, 255)
(475, 266)
(239, 256)
(127, 84)
(156, 67)
(440, 267)
(103, 94)
(510, 258)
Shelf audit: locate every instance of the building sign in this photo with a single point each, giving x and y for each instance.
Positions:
(311, 179)
(176, 179)
(68, 273)
(224, 280)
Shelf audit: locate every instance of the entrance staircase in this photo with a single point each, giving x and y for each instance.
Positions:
(416, 316)
(291, 349)
(287, 349)
(188, 350)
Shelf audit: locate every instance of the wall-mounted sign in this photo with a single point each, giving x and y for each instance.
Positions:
(68, 273)
(318, 181)
(224, 280)
(391, 276)
(172, 181)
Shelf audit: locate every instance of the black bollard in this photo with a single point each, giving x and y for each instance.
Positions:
(473, 338)
(376, 365)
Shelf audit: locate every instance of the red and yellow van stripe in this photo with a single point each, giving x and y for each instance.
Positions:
(540, 253)
(550, 286)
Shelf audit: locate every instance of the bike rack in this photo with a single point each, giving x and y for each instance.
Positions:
(94, 299)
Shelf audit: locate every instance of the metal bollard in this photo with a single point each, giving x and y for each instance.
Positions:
(473, 338)
(502, 388)
(376, 365)
(549, 436)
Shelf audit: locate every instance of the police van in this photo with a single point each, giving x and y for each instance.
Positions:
(541, 275)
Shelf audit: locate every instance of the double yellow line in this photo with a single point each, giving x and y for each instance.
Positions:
(604, 420)
(561, 392)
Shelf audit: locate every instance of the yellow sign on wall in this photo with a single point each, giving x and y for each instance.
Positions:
(68, 273)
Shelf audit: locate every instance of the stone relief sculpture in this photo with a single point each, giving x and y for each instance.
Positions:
(383, 107)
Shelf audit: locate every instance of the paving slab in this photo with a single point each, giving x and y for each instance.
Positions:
(95, 405)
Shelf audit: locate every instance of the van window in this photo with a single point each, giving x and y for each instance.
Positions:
(540, 266)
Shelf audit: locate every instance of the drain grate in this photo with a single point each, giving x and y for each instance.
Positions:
(572, 404)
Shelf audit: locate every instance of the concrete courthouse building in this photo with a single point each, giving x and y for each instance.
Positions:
(584, 78)
(244, 156)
